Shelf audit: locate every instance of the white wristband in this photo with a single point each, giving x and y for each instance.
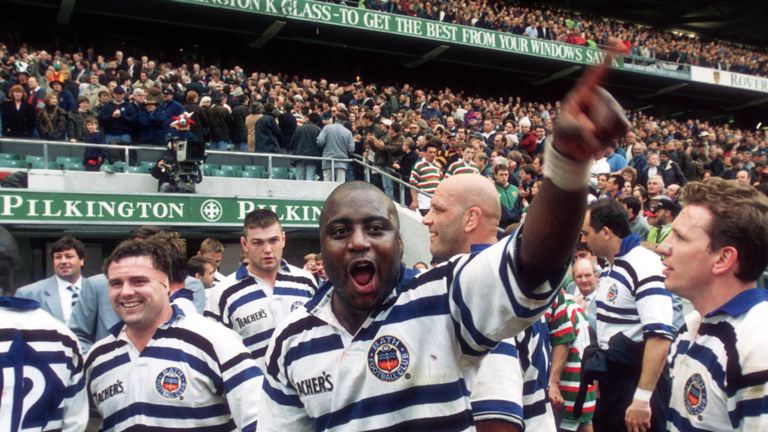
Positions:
(643, 395)
(566, 173)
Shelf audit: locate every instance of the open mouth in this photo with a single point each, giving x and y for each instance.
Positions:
(130, 304)
(363, 272)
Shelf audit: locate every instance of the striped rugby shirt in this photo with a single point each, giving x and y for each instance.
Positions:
(511, 382)
(404, 368)
(719, 368)
(426, 176)
(568, 324)
(41, 371)
(251, 308)
(193, 375)
(461, 167)
(631, 297)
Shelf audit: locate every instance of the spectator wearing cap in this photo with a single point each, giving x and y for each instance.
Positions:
(151, 123)
(117, 118)
(18, 116)
(220, 122)
(76, 130)
(664, 211)
(169, 109)
(66, 100)
(670, 170)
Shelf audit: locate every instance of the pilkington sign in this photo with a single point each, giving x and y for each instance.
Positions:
(101, 209)
(333, 14)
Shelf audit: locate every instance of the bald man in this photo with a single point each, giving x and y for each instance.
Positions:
(42, 376)
(463, 218)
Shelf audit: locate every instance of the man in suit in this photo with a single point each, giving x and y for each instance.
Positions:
(59, 293)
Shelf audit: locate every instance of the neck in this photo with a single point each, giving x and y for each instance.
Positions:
(718, 293)
(614, 247)
(269, 278)
(176, 286)
(71, 279)
(140, 336)
(349, 318)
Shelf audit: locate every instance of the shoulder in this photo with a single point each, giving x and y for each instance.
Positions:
(35, 288)
(37, 325)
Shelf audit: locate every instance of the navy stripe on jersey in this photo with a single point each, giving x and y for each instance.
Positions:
(102, 368)
(614, 320)
(162, 411)
(423, 307)
(245, 299)
(244, 375)
(658, 328)
(616, 310)
(456, 422)
(189, 337)
(498, 407)
(280, 397)
(652, 292)
(229, 426)
(292, 291)
(258, 337)
(304, 324)
(682, 423)
(180, 356)
(411, 396)
(315, 346)
(229, 292)
(37, 335)
(748, 408)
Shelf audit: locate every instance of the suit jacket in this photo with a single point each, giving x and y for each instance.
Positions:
(46, 292)
(93, 316)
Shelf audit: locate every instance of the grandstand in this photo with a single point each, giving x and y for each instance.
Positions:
(475, 61)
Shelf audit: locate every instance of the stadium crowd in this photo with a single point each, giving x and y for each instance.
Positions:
(547, 22)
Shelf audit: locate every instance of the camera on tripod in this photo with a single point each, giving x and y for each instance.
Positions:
(186, 172)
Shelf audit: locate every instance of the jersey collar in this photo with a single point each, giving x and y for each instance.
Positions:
(741, 303)
(628, 243)
(18, 303)
(242, 271)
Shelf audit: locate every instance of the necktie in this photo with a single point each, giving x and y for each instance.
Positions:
(75, 294)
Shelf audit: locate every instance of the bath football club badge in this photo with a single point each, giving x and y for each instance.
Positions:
(388, 358)
(171, 382)
(695, 395)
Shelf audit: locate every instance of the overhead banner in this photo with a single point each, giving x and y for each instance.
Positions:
(333, 14)
(29, 207)
(729, 79)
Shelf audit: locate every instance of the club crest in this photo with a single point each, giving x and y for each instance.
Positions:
(613, 293)
(388, 358)
(695, 395)
(171, 382)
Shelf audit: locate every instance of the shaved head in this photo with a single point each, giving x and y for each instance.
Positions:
(465, 210)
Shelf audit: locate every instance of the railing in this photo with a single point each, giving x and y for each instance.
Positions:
(22, 147)
(51, 149)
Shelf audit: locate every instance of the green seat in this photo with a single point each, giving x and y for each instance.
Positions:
(137, 169)
(218, 173)
(10, 156)
(105, 167)
(208, 169)
(119, 166)
(73, 166)
(32, 158)
(234, 169)
(61, 161)
(280, 173)
(148, 164)
(292, 173)
(259, 169)
(13, 163)
(250, 174)
(40, 164)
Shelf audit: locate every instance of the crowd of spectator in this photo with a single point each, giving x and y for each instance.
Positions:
(547, 22)
(87, 97)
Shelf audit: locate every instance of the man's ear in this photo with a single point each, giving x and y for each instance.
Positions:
(472, 218)
(727, 261)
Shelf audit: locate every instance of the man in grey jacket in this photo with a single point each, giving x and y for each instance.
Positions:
(337, 143)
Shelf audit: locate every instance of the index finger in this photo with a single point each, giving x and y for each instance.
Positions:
(595, 76)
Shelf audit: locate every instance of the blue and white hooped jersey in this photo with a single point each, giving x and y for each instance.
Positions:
(631, 297)
(404, 368)
(719, 368)
(41, 371)
(193, 375)
(511, 383)
(251, 308)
